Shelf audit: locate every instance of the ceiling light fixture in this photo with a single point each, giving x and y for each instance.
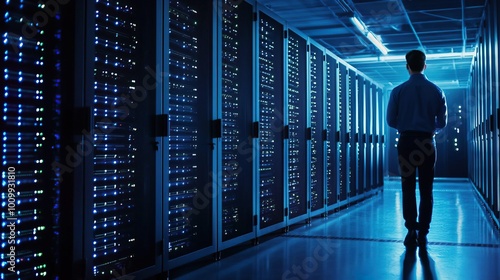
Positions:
(369, 35)
(377, 42)
(360, 25)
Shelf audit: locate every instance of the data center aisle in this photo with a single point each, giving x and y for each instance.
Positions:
(366, 242)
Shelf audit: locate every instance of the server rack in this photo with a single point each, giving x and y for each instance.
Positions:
(333, 143)
(236, 194)
(296, 127)
(352, 131)
(31, 143)
(479, 118)
(110, 188)
(368, 136)
(361, 133)
(380, 137)
(270, 81)
(344, 160)
(317, 131)
(194, 132)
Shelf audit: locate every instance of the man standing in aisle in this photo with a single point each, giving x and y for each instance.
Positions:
(417, 109)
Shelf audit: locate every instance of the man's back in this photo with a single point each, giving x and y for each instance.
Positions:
(417, 105)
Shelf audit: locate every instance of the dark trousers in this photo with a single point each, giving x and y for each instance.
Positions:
(417, 151)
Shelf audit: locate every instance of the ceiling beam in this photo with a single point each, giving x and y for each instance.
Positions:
(411, 25)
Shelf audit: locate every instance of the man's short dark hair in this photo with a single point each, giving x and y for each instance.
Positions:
(415, 60)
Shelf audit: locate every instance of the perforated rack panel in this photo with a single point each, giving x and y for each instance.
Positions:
(190, 145)
(120, 212)
(317, 141)
(30, 142)
(332, 127)
(237, 152)
(271, 121)
(297, 125)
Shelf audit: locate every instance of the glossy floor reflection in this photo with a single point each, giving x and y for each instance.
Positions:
(365, 241)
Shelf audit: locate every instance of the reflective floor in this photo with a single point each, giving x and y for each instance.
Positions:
(365, 241)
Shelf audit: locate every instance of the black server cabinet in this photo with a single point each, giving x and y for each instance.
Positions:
(317, 131)
(271, 206)
(489, 20)
(115, 187)
(483, 111)
(31, 143)
(352, 121)
(190, 173)
(368, 133)
(374, 137)
(361, 133)
(344, 123)
(295, 130)
(380, 138)
(377, 118)
(236, 191)
(333, 144)
(472, 129)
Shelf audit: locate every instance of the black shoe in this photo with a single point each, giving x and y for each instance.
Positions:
(422, 240)
(411, 238)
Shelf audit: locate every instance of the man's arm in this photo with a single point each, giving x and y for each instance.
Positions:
(392, 110)
(442, 116)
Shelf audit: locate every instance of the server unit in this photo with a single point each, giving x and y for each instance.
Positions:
(236, 206)
(271, 118)
(296, 128)
(317, 133)
(192, 132)
(333, 144)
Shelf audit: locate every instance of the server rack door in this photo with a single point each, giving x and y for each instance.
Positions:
(235, 211)
(271, 119)
(374, 139)
(474, 102)
(487, 111)
(482, 100)
(333, 131)
(487, 101)
(31, 146)
(368, 140)
(190, 169)
(381, 138)
(491, 101)
(344, 125)
(376, 136)
(120, 221)
(317, 129)
(297, 125)
(353, 147)
(474, 126)
(361, 126)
